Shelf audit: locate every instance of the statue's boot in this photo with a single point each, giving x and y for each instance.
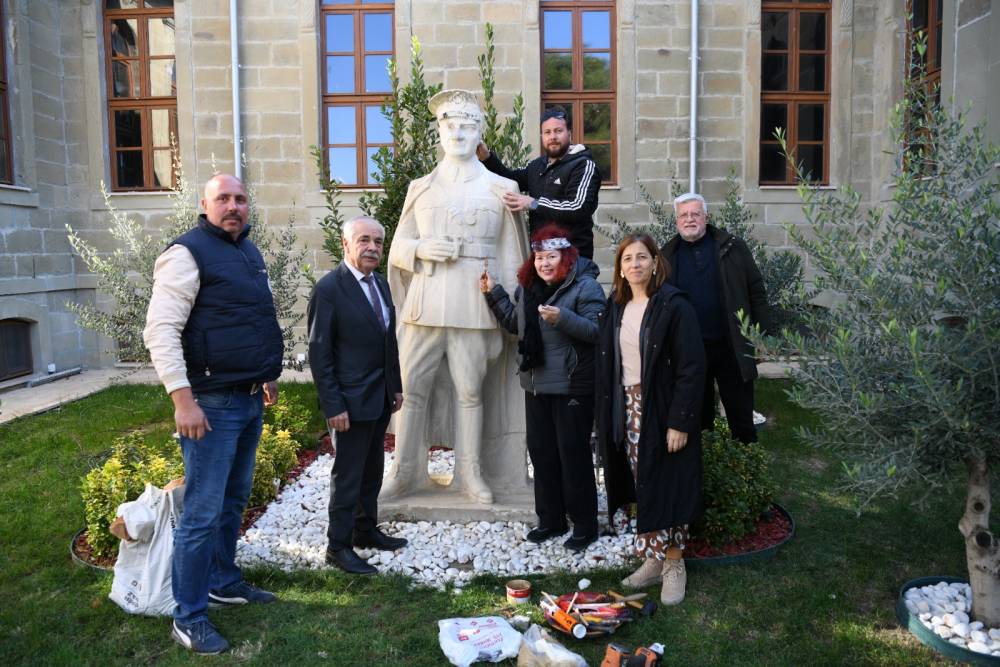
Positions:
(468, 449)
(408, 472)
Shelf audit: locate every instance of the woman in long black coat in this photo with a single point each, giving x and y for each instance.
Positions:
(651, 369)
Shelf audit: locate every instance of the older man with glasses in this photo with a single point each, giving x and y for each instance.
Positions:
(719, 274)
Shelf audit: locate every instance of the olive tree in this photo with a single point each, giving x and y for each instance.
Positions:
(904, 369)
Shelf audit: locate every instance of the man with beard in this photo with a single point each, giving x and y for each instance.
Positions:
(562, 184)
(355, 364)
(719, 274)
(214, 339)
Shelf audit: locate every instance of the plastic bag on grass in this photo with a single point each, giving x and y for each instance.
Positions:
(142, 572)
(483, 639)
(539, 649)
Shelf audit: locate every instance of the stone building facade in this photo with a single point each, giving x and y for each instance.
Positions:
(63, 58)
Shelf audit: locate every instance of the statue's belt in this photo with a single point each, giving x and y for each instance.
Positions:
(478, 250)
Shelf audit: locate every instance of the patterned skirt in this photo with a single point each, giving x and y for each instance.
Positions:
(653, 544)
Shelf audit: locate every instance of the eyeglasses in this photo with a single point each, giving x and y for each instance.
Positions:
(691, 216)
(561, 115)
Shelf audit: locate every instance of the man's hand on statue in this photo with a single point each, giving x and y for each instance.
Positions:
(270, 393)
(676, 440)
(397, 402)
(437, 251)
(482, 151)
(549, 313)
(340, 423)
(516, 201)
(486, 282)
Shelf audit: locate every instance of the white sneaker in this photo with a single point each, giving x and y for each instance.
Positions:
(647, 574)
(674, 582)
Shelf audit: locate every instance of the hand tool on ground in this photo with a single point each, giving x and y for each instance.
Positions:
(647, 608)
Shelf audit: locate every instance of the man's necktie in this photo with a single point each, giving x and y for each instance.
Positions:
(376, 301)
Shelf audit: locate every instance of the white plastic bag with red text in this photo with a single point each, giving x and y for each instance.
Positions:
(483, 639)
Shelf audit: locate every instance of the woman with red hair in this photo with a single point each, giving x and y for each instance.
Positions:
(554, 315)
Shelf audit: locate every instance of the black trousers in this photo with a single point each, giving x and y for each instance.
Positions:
(356, 480)
(723, 368)
(558, 434)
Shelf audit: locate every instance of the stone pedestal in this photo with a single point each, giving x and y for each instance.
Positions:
(445, 505)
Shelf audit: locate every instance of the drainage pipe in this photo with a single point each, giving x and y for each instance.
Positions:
(693, 128)
(234, 53)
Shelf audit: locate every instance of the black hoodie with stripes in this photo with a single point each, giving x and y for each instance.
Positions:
(566, 192)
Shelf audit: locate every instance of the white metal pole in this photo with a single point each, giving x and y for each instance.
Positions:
(693, 128)
(234, 49)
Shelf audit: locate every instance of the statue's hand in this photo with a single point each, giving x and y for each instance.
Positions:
(432, 250)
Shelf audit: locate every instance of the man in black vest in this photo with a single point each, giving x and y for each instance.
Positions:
(354, 361)
(719, 274)
(215, 341)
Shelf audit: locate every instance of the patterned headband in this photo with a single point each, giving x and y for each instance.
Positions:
(550, 244)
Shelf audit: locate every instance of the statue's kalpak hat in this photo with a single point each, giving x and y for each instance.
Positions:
(456, 104)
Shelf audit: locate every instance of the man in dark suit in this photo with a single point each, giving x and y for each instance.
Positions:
(355, 365)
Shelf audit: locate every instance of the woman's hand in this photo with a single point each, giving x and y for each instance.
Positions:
(486, 282)
(676, 440)
(550, 314)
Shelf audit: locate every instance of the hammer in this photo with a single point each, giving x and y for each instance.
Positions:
(645, 609)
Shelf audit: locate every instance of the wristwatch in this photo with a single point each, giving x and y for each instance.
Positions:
(533, 205)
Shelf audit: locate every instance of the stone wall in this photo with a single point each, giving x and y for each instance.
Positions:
(55, 63)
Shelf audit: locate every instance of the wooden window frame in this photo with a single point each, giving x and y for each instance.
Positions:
(576, 95)
(24, 329)
(935, 22)
(357, 100)
(793, 98)
(144, 103)
(7, 164)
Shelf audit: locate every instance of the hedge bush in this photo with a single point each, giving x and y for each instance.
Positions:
(738, 486)
(275, 457)
(133, 463)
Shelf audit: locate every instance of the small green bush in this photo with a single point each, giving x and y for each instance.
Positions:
(738, 486)
(276, 455)
(123, 477)
(134, 462)
(289, 414)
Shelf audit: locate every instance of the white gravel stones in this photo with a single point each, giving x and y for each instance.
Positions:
(946, 614)
(291, 534)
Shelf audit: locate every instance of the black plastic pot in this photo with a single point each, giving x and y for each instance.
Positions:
(927, 636)
(766, 553)
(80, 561)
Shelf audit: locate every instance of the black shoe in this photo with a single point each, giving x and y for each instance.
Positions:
(378, 540)
(579, 543)
(538, 535)
(349, 562)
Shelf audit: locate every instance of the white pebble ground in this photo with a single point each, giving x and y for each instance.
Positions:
(944, 609)
(291, 534)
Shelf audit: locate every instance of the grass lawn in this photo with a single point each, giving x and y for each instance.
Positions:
(826, 599)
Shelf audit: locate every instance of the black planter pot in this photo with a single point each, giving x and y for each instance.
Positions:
(766, 553)
(926, 636)
(81, 562)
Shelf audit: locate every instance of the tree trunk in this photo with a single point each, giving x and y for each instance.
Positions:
(982, 553)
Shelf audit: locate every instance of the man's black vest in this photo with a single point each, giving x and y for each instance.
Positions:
(232, 335)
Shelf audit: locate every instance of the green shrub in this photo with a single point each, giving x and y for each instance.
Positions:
(289, 414)
(738, 486)
(122, 478)
(275, 457)
(134, 462)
